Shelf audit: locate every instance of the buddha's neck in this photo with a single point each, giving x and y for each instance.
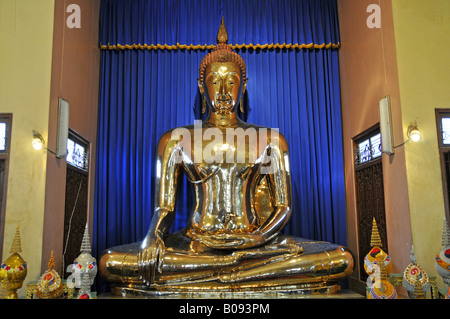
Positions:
(227, 119)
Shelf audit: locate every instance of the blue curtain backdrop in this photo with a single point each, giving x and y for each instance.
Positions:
(145, 91)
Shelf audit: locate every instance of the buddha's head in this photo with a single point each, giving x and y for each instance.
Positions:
(222, 76)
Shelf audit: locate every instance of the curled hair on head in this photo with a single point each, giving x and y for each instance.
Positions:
(222, 53)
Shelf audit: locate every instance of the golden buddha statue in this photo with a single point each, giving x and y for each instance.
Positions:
(232, 241)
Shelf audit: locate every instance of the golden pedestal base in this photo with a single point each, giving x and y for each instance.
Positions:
(317, 290)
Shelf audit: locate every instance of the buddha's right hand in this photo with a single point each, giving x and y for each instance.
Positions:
(151, 256)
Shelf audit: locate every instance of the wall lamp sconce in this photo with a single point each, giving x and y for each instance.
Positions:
(38, 142)
(414, 133)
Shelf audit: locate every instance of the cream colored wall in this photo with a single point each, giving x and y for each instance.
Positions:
(422, 29)
(26, 33)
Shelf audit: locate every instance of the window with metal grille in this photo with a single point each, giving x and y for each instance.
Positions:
(443, 132)
(77, 152)
(369, 191)
(76, 200)
(368, 148)
(5, 141)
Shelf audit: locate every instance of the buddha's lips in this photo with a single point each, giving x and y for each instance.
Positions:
(224, 97)
(224, 101)
(223, 104)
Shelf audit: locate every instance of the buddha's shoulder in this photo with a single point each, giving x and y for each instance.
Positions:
(176, 133)
(272, 133)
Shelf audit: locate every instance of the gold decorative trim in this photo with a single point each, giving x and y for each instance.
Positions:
(179, 46)
(32, 287)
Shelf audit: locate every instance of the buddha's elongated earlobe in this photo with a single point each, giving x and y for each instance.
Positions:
(200, 86)
(204, 105)
(202, 91)
(241, 104)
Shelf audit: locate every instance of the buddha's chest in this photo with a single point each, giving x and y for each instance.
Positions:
(222, 176)
(223, 187)
(222, 198)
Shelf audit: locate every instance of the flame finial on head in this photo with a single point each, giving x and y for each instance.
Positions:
(222, 35)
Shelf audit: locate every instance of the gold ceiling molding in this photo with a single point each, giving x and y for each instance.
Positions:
(179, 46)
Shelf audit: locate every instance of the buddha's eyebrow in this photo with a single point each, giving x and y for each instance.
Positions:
(231, 73)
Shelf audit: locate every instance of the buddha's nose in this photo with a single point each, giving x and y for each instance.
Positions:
(221, 90)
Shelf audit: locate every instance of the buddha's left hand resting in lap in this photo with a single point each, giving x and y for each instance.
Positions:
(242, 190)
